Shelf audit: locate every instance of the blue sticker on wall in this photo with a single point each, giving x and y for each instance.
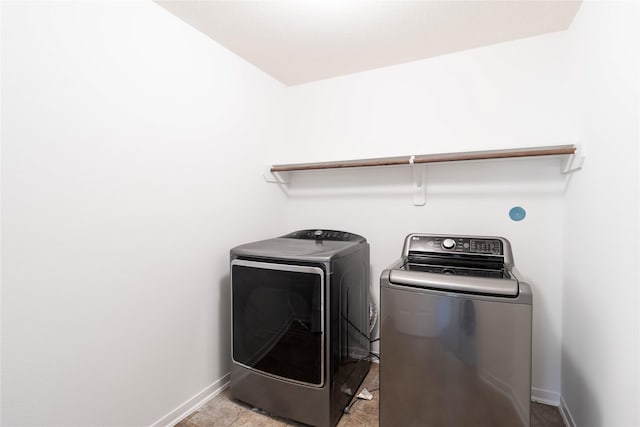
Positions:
(517, 213)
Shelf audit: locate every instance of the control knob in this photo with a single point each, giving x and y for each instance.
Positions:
(448, 243)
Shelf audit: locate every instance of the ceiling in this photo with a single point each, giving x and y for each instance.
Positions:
(306, 40)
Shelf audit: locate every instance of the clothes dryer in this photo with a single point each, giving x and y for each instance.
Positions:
(300, 323)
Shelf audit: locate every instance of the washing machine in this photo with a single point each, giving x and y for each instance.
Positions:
(300, 323)
(455, 341)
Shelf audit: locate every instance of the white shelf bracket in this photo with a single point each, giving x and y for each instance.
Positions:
(574, 162)
(419, 182)
(275, 177)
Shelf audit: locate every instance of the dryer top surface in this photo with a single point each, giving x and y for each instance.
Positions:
(298, 249)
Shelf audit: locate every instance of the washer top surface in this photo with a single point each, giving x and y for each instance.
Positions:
(303, 245)
(456, 263)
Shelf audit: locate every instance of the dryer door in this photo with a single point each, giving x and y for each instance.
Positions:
(278, 320)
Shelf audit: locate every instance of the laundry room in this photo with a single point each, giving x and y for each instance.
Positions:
(154, 152)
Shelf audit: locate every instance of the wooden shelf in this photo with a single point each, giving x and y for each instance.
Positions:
(279, 174)
(554, 150)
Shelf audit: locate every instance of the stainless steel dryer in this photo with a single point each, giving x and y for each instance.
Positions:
(300, 323)
(455, 335)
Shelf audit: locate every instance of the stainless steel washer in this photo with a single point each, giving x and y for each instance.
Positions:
(455, 335)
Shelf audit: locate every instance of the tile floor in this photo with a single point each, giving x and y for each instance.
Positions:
(222, 411)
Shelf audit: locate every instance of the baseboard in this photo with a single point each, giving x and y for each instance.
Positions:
(182, 411)
(547, 397)
(566, 414)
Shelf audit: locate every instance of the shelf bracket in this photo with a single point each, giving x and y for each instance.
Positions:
(574, 162)
(419, 182)
(275, 177)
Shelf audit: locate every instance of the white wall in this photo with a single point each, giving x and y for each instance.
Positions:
(508, 95)
(132, 149)
(601, 323)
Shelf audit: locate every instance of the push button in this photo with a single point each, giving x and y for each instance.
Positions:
(448, 243)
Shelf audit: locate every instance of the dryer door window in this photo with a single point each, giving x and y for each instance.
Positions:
(278, 320)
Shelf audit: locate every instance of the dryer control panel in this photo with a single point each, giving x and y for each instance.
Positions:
(318, 234)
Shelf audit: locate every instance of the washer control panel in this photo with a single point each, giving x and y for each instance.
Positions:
(454, 244)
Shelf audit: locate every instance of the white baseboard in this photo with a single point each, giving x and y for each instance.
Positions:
(182, 411)
(554, 399)
(566, 414)
(547, 397)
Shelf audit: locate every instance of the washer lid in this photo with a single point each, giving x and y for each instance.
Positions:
(445, 282)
